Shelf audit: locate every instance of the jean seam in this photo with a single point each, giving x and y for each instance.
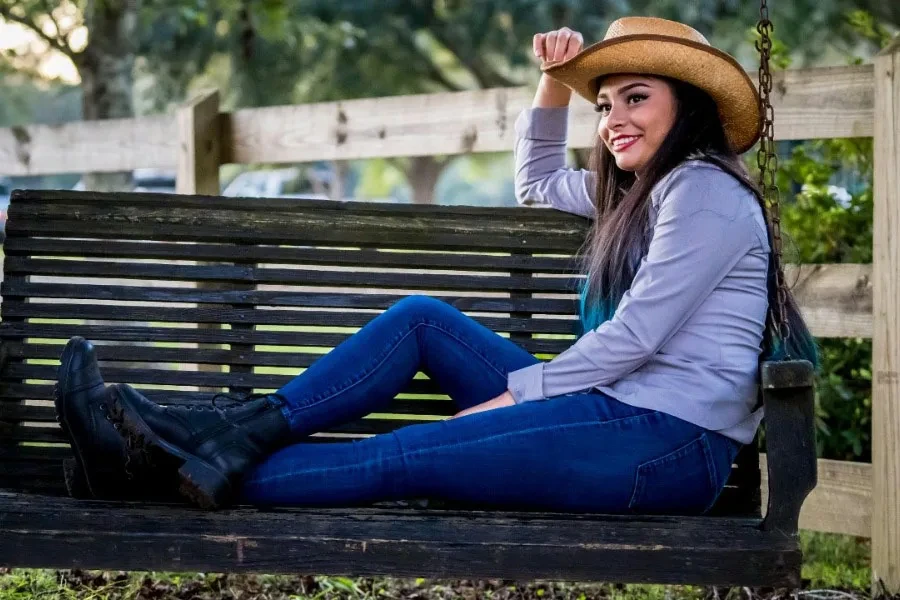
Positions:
(640, 481)
(390, 351)
(711, 470)
(404, 455)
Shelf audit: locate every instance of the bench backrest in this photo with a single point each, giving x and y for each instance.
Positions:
(186, 296)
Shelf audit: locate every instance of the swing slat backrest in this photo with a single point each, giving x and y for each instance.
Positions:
(216, 294)
(188, 296)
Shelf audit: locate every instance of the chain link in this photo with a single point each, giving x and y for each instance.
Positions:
(767, 161)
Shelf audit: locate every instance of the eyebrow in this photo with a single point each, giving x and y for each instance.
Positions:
(624, 88)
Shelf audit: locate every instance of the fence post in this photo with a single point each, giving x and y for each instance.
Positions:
(886, 337)
(199, 157)
(199, 145)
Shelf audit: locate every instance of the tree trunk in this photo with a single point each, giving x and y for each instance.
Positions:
(106, 67)
(422, 174)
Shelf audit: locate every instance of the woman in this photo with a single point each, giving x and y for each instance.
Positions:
(644, 413)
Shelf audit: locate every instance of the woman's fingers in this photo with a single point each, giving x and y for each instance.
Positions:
(549, 45)
(576, 43)
(562, 42)
(557, 45)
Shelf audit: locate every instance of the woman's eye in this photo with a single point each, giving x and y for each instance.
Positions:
(632, 99)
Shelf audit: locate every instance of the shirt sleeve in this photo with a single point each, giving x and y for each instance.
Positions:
(542, 177)
(694, 246)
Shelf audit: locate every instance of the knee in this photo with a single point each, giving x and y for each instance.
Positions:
(419, 305)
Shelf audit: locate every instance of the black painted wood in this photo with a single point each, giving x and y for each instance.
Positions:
(410, 542)
(289, 297)
(311, 277)
(362, 257)
(250, 316)
(169, 218)
(330, 266)
(790, 440)
(211, 336)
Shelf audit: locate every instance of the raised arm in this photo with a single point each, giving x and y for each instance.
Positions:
(542, 176)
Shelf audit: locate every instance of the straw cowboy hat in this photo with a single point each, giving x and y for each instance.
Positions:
(651, 46)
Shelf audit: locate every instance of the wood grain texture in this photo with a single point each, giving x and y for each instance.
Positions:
(164, 217)
(89, 146)
(810, 103)
(817, 103)
(842, 500)
(61, 533)
(835, 299)
(199, 145)
(471, 260)
(789, 400)
(886, 341)
(751, 555)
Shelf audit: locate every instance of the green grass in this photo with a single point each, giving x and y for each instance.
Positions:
(832, 562)
(836, 561)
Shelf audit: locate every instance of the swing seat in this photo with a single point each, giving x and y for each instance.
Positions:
(186, 296)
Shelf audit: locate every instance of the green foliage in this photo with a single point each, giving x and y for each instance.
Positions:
(824, 224)
(867, 26)
(829, 219)
(832, 561)
(823, 227)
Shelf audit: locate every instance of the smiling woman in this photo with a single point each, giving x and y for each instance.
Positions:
(675, 300)
(637, 112)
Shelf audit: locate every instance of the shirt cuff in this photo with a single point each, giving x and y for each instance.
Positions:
(527, 385)
(548, 124)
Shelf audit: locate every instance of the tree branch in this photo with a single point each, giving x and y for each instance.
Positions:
(59, 34)
(55, 43)
(431, 70)
(483, 73)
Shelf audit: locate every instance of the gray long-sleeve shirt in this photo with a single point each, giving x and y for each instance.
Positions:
(685, 339)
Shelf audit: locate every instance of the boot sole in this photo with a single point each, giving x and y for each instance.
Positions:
(199, 482)
(76, 473)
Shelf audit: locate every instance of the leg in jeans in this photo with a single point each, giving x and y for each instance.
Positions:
(575, 452)
(362, 375)
(579, 452)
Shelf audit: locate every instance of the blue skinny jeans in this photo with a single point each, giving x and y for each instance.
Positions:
(581, 452)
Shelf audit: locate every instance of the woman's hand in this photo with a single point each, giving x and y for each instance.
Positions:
(557, 45)
(504, 399)
(552, 47)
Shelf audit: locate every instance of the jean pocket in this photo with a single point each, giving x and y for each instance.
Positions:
(680, 482)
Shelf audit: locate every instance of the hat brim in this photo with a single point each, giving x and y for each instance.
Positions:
(708, 68)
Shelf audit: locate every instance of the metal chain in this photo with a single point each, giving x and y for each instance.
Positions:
(767, 160)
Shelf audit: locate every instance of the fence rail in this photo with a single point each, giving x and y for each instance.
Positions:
(817, 103)
(846, 300)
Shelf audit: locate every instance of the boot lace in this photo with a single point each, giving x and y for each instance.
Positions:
(117, 425)
(238, 399)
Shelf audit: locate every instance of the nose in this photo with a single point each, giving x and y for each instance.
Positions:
(616, 117)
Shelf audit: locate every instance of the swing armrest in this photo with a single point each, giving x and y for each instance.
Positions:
(789, 397)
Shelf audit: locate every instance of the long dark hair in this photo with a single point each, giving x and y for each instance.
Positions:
(620, 235)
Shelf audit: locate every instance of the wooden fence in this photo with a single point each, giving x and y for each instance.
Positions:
(845, 300)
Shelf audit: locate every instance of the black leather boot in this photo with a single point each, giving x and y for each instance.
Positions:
(102, 466)
(216, 445)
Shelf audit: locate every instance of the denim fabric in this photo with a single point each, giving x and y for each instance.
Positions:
(583, 451)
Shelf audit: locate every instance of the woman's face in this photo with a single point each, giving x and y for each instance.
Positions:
(636, 114)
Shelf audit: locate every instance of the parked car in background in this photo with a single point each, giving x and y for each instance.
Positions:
(154, 180)
(146, 180)
(278, 183)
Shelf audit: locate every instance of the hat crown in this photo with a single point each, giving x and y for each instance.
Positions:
(653, 26)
